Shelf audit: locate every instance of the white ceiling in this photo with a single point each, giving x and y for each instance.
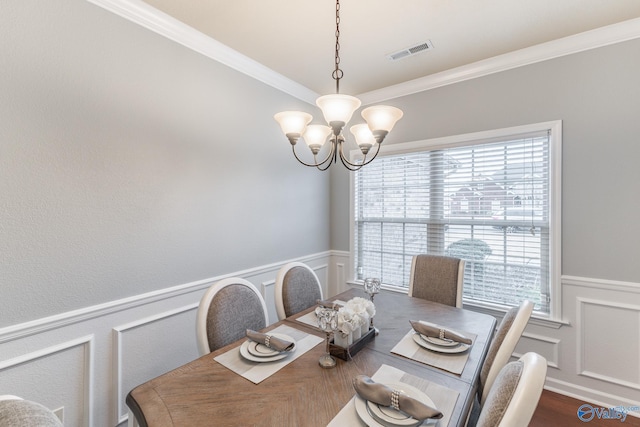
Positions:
(296, 38)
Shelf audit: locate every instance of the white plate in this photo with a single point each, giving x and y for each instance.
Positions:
(261, 350)
(244, 350)
(386, 413)
(422, 343)
(439, 342)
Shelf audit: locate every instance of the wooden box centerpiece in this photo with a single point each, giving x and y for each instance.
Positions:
(345, 353)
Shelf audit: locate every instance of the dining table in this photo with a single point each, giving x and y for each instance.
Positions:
(223, 388)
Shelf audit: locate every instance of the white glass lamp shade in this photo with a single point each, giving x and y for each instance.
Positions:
(337, 107)
(382, 117)
(364, 137)
(315, 136)
(293, 122)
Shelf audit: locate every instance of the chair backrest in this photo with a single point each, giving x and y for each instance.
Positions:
(504, 343)
(227, 309)
(297, 288)
(515, 394)
(17, 412)
(437, 278)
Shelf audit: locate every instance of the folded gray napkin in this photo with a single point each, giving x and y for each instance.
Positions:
(431, 330)
(270, 341)
(384, 395)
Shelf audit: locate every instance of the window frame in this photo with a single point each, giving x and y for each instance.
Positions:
(555, 201)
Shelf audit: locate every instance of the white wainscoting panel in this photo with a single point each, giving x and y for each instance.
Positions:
(340, 261)
(267, 289)
(599, 355)
(609, 341)
(141, 349)
(123, 344)
(322, 272)
(88, 360)
(547, 347)
(56, 376)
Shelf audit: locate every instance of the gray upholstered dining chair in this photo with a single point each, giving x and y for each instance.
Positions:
(437, 278)
(297, 288)
(502, 346)
(17, 412)
(515, 394)
(227, 309)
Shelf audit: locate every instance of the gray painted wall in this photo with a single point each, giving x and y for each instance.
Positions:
(129, 163)
(126, 168)
(597, 96)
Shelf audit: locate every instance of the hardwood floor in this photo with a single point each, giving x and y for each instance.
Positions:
(558, 410)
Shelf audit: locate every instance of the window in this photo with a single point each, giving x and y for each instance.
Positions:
(490, 198)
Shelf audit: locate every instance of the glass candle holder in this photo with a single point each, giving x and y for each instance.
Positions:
(328, 322)
(372, 286)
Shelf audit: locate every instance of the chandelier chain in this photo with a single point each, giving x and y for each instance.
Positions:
(337, 73)
(337, 110)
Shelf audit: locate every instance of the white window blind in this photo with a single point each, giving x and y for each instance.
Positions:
(487, 202)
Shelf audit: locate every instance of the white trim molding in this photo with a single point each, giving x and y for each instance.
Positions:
(118, 332)
(159, 22)
(101, 333)
(553, 363)
(599, 37)
(610, 285)
(340, 270)
(141, 13)
(266, 285)
(581, 369)
(23, 330)
(87, 344)
(593, 396)
(554, 129)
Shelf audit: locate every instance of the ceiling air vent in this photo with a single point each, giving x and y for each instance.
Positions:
(410, 51)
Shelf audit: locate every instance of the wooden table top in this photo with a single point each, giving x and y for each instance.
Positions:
(205, 393)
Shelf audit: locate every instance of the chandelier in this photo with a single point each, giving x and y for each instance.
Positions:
(337, 110)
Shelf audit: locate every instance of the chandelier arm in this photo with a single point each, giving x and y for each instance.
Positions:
(347, 163)
(329, 160)
(350, 166)
(327, 166)
(317, 164)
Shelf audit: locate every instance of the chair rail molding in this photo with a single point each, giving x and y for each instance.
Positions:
(108, 337)
(41, 325)
(613, 285)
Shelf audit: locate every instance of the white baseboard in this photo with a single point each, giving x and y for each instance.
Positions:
(594, 397)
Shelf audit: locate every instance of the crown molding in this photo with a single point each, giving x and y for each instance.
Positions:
(159, 22)
(604, 36)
